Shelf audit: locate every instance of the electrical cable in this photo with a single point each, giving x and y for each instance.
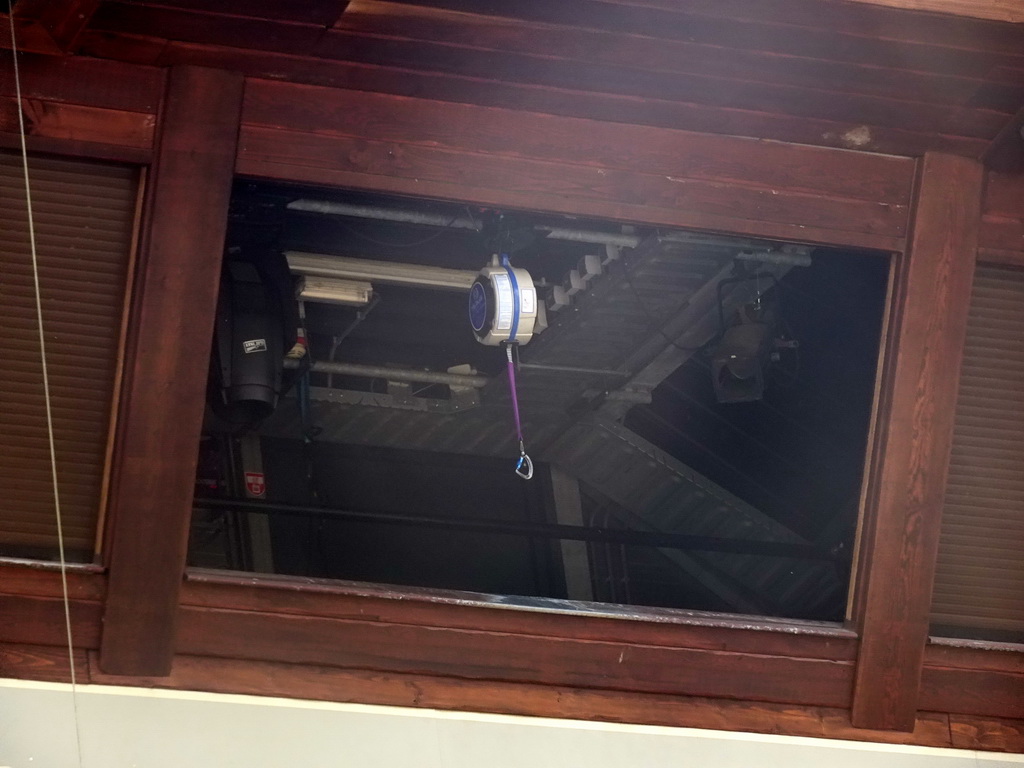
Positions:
(656, 324)
(46, 390)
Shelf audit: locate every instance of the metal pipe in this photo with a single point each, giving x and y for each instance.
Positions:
(588, 236)
(786, 258)
(754, 251)
(546, 530)
(393, 374)
(384, 214)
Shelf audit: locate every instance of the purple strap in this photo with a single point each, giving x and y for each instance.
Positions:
(525, 466)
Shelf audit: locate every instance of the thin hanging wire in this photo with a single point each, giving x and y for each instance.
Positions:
(46, 389)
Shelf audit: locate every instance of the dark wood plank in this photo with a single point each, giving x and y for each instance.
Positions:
(44, 580)
(726, 160)
(547, 68)
(75, 123)
(320, 12)
(1004, 195)
(986, 733)
(987, 693)
(933, 290)
(90, 82)
(204, 27)
(1001, 234)
(474, 654)
(861, 20)
(63, 20)
(320, 683)
(45, 145)
(162, 403)
(744, 92)
(639, 626)
(31, 36)
(40, 620)
(21, 661)
(480, 91)
(975, 654)
(814, 39)
(534, 185)
(381, 18)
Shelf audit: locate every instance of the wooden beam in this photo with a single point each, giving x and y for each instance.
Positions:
(74, 123)
(62, 21)
(626, 625)
(513, 657)
(999, 10)
(565, 490)
(323, 683)
(933, 293)
(166, 367)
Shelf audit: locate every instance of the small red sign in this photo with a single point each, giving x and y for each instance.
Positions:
(255, 483)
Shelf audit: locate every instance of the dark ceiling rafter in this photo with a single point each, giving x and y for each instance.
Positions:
(52, 26)
(739, 70)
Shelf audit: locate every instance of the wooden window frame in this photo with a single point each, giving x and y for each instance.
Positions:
(145, 619)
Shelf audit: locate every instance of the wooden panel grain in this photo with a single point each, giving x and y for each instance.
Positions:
(933, 290)
(743, 26)
(410, 22)
(90, 82)
(582, 190)
(987, 693)
(76, 123)
(538, 69)
(549, 68)
(166, 364)
(63, 20)
(1004, 195)
(41, 620)
(1002, 222)
(863, 21)
(321, 12)
(321, 683)
(1001, 234)
(780, 168)
(999, 10)
(488, 92)
(85, 582)
(26, 661)
(479, 655)
(455, 610)
(969, 732)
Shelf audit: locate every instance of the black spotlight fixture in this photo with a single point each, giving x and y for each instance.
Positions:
(739, 361)
(745, 349)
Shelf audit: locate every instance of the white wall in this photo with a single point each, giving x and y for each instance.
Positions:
(123, 727)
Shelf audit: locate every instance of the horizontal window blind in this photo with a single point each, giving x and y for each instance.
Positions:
(84, 216)
(979, 583)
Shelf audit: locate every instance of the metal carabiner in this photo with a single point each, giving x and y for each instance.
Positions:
(525, 467)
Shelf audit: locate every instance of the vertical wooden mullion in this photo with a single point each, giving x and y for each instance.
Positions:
(166, 366)
(931, 299)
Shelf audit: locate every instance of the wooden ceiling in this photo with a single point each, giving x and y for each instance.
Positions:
(821, 72)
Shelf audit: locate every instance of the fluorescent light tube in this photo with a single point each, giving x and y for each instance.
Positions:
(328, 290)
(324, 265)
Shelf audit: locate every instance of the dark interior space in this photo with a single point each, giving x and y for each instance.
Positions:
(798, 453)
(755, 500)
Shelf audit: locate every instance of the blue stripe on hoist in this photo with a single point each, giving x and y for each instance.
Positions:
(515, 298)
